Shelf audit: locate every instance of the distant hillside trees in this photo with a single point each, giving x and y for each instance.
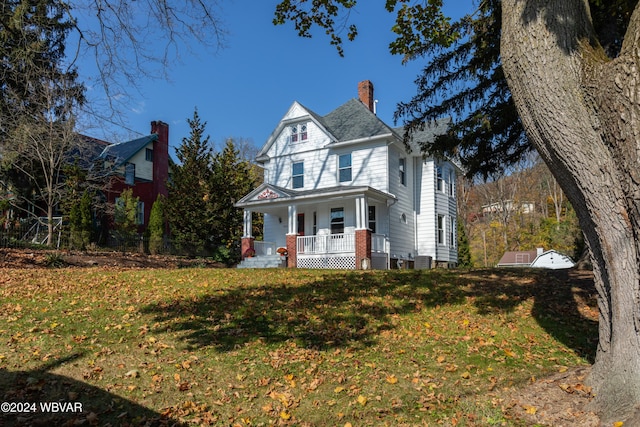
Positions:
(522, 211)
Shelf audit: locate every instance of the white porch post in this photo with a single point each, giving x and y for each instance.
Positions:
(247, 224)
(362, 213)
(293, 220)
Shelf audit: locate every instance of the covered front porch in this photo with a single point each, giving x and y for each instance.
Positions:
(339, 228)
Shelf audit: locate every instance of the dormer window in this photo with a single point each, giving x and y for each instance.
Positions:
(299, 132)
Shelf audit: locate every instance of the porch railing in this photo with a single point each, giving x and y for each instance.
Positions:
(330, 243)
(264, 248)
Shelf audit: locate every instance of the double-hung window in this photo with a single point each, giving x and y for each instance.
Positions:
(439, 179)
(297, 175)
(441, 230)
(337, 220)
(402, 169)
(299, 132)
(344, 168)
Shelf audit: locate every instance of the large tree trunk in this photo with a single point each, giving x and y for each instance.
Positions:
(581, 112)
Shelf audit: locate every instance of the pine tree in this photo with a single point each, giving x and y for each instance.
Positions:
(190, 191)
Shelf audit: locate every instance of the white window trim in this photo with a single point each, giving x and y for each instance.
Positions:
(440, 230)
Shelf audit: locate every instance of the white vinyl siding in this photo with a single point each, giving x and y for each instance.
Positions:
(433, 203)
(401, 213)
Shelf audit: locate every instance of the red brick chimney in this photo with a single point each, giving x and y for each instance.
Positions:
(365, 94)
(160, 158)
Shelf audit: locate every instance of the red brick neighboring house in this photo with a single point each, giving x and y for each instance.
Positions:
(141, 164)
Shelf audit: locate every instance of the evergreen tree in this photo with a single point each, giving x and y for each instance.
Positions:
(156, 226)
(81, 222)
(232, 178)
(39, 95)
(190, 191)
(125, 217)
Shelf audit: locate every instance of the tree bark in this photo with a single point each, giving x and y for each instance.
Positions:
(581, 112)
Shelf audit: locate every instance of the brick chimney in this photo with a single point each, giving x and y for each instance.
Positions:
(365, 94)
(160, 158)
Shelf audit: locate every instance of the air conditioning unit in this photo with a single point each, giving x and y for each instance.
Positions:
(422, 262)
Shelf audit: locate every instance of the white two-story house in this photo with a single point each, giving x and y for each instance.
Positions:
(342, 191)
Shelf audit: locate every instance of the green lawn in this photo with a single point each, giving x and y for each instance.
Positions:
(286, 347)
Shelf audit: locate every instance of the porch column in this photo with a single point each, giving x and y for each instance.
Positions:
(292, 236)
(362, 213)
(247, 230)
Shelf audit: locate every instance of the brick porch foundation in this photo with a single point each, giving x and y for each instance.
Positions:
(292, 250)
(363, 247)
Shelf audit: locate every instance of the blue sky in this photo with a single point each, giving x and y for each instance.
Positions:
(245, 89)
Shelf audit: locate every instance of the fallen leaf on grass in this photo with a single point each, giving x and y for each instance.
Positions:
(392, 379)
(285, 415)
(362, 400)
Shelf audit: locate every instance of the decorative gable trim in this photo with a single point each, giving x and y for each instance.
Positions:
(268, 194)
(265, 193)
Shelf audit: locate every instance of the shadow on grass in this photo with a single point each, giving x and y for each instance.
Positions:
(80, 403)
(342, 309)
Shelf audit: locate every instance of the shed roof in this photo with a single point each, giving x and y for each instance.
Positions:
(518, 258)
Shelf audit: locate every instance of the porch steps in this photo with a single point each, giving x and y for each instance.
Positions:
(262, 261)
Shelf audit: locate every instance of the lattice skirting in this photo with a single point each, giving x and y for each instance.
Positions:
(345, 262)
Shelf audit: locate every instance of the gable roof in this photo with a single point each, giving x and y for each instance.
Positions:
(353, 121)
(350, 122)
(121, 153)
